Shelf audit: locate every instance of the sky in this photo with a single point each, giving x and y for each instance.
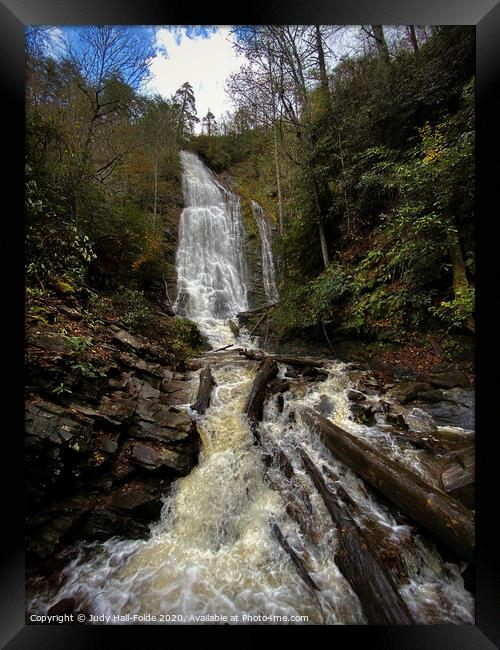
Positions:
(204, 57)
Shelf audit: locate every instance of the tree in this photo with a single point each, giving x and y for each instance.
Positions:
(209, 122)
(185, 100)
(110, 60)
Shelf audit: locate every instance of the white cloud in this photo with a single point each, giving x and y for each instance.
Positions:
(205, 62)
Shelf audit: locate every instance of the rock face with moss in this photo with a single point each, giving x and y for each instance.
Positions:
(253, 244)
(105, 432)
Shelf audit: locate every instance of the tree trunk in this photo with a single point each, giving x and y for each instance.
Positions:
(278, 181)
(301, 570)
(413, 37)
(429, 506)
(383, 50)
(297, 502)
(155, 191)
(460, 282)
(323, 77)
(204, 391)
(301, 362)
(370, 580)
(266, 371)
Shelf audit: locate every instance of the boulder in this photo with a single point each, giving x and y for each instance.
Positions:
(419, 421)
(456, 409)
(278, 386)
(153, 456)
(355, 395)
(448, 379)
(325, 405)
(406, 392)
(128, 340)
(159, 422)
(362, 413)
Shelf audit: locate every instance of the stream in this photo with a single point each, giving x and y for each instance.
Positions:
(213, 554)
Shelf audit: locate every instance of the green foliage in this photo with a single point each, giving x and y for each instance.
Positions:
(54, 244)
(454, 313)
(182, 339)
(135, 311)
(79, 344)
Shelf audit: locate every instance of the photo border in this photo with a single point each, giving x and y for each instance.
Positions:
(485, 15)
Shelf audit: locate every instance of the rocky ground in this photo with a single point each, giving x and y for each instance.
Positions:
(105, 438)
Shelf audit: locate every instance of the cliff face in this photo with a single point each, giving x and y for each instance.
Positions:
(253, 244)
(105, 437)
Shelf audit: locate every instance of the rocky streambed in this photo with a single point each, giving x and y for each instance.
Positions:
(127, 481)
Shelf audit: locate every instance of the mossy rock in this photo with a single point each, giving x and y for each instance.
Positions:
(234, 328)
(62, 287)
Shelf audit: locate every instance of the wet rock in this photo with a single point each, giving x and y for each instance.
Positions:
(103, 523)
(325, 405)
(355, 395)
(292, 373)
(457, 409)
(64, 606)
(419, 421)
(280, 402)
(278, 386)
(310, 373)
(138, 502)
(152, 457)
(362, 413)
(46, 540)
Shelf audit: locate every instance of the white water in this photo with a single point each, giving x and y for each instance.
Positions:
(212, 276)
(268, 270)
(212, 552)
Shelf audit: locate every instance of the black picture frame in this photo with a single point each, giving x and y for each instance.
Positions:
(14, 15)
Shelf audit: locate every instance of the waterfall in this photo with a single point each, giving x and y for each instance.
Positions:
(212, 553)
(212, 276)
(268, 270)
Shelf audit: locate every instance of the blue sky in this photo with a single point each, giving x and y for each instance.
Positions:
(202, 55)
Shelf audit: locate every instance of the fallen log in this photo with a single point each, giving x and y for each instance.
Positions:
(300, 362)
(266, 371)
(225, 347)
(301, 570)
(461, 473)
(431, 507)
(254, 329)
(370, 580)
(204, 391)
(296, 499)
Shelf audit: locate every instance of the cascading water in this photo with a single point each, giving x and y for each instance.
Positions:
(268, 270)
(210, 260)
(212, 553)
